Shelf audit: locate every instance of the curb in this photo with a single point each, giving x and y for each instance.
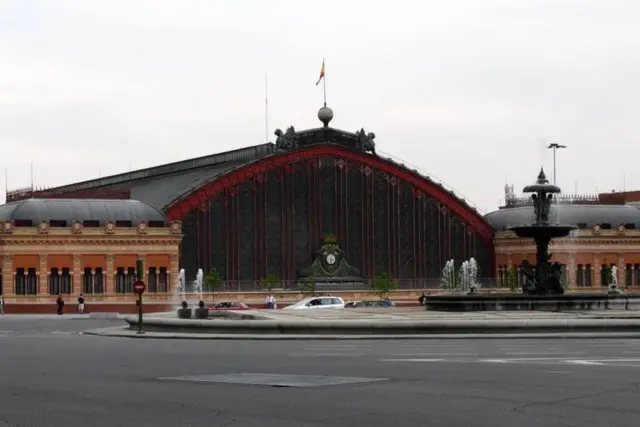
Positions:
(385, 327)
(125, 332)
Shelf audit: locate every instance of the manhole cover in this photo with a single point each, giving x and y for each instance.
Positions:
(274, 380)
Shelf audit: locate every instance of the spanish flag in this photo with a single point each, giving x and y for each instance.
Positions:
(321, 73)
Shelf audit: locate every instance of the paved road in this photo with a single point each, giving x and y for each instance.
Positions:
(52, 376)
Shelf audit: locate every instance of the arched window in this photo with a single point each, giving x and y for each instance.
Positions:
(32, 282)
(131, 279)
(98, 281)
(163, 280)
(65, 281)
(54, 281)
(20, 285)
(153, 280)
(120, 280)
(87, 281)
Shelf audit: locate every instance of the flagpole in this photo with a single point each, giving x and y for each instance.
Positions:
(266, 109)
(324, 82)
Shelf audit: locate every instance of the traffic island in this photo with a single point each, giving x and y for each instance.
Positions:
(374, 327)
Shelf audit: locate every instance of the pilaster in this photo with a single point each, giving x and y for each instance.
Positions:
(572, 271)
(174, 271)
(7, 276)
(621, 271)
(76, 279)
(145, 268)
(110, 285)
(595, 272)
(43, 276)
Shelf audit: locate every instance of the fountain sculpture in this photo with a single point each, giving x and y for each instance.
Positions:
(545, 277)
(613, 286)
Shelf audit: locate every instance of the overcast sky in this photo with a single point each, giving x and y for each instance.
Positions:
(468, 91)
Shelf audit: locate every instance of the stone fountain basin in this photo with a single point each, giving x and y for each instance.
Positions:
(543, 230)
(522, 302)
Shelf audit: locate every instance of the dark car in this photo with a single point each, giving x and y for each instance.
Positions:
(230, 305)
(385, 303)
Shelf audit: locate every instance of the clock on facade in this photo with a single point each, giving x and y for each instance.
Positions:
(331, 259)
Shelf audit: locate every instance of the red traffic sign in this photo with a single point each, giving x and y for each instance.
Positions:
(139, 287)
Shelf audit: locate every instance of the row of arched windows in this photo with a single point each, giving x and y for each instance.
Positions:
(93, 281)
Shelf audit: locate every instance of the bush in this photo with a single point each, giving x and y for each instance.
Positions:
(270, 282)
(383, 285)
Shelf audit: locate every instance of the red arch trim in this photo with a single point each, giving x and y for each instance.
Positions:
(196, 198)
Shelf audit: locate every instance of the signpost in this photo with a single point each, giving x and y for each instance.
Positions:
(138, 288)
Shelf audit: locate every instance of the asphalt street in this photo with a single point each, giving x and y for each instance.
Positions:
(51, 375)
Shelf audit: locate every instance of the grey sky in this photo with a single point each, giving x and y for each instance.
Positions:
(458, 88)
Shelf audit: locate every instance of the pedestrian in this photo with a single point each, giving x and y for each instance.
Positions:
(60, 303)
(1, 306)
(268, 302)
(422, 299)
(81, 304)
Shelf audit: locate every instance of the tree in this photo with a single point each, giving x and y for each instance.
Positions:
(212, 279)
(512, 279)
(383, 285)
(307, 286)
(271, 281)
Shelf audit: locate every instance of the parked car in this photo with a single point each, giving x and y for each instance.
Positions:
(385, 303)
(317, 302)
(230, 305)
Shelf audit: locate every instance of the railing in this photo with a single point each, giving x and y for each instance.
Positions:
(353, 285)
(563, 199)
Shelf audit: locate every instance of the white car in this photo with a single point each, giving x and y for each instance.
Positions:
(317, 302)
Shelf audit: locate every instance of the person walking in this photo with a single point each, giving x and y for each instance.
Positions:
(60, 303)
(81, 304)
(1, 306)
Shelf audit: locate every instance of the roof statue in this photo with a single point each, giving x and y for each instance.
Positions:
(366, 141)
(286, 140)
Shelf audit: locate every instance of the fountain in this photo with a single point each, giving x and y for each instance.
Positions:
(543, 288)
(179, 291)
(544, 277)
(448, 279)
(197, 285)
(469, 276)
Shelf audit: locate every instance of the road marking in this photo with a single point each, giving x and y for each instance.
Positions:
(327, 354)
(62, 333)
(435, 354)
(414, 360)
(543, 353)
(582, 362)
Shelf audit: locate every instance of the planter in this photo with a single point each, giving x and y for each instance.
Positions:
(184, 313)
(202, 313)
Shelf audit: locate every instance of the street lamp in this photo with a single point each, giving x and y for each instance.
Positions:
(555, 147)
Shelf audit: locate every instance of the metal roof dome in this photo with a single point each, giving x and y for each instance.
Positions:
(579, 215)
(38, 210)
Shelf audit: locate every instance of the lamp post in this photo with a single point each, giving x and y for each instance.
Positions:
(555, 146)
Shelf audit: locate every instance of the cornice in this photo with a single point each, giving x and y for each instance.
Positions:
(26, 241)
